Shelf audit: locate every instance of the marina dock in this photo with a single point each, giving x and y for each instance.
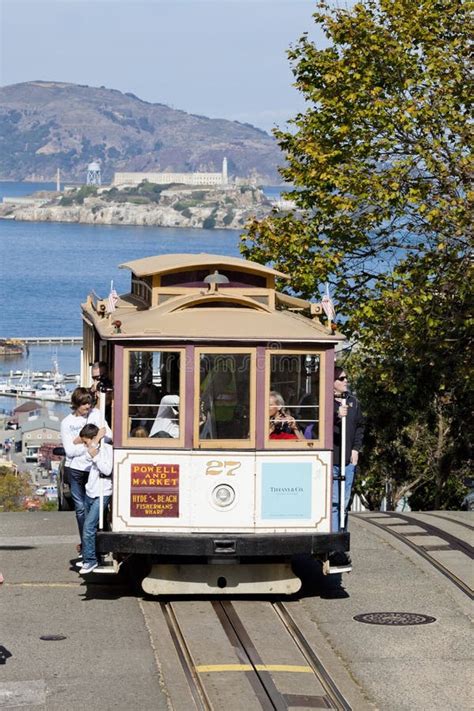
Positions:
(50, 340)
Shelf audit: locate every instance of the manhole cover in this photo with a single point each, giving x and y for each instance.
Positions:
(53, 637)
(399, 619)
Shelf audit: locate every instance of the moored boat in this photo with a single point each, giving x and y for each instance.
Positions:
(11, 347)
(46, 391)
(51, 390)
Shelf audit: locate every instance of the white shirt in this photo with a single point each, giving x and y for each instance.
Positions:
(102, 463)
(76, 454)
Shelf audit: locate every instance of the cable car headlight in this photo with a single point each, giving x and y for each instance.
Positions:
(223, 495)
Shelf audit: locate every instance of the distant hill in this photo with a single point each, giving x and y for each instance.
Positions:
(49, 125)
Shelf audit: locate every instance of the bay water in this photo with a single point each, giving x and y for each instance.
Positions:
(48, 269)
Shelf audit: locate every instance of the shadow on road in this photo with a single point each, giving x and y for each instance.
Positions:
(315, 583)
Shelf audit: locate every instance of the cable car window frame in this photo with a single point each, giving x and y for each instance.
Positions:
(297, 443)
(153, 442)
(225, 443)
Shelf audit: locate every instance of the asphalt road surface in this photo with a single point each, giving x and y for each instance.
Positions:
(105, 660)
(115, 650)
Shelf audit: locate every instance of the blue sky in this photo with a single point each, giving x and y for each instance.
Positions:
(219, 58)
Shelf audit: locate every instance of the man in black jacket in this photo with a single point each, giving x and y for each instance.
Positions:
(354, 435)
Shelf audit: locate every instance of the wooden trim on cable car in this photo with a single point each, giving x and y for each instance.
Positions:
(87, 355)
(297, 443)
(153, 442)
(224, 443)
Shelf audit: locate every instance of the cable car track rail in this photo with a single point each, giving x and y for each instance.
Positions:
(198, 693)
(450, 520)
(453, 543)
(262, 679)
(314, 661)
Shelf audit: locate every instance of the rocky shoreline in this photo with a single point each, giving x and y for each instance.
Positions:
(224, 208)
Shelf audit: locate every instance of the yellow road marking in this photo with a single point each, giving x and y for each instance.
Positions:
(202, 668)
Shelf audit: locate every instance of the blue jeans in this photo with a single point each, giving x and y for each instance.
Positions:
(349, 474)
(91, 522)
(78, 493)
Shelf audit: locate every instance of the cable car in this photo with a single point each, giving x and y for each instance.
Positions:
(213, 490)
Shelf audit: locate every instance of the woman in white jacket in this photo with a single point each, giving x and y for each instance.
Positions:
(100, 454)
(77, 459)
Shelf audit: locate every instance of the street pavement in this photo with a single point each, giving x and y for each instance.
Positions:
(428, 667)
(105, 661)
(109, 658)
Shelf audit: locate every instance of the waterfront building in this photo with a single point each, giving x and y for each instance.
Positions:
(38, 431)
(127, 179)
(24, 201)
(27, 410)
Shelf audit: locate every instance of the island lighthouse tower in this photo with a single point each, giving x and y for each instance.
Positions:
(225, 178)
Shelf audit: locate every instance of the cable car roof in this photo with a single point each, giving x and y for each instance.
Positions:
(190, 319)
(189, 307)
(171, 262)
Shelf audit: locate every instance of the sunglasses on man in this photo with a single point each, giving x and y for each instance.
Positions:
(342, 378)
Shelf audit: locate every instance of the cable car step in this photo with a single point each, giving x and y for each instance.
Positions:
(335, 569)
(108, 567)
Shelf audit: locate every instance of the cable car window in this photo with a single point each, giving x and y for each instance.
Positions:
(154, 394)
(294, 399)
(224, 396)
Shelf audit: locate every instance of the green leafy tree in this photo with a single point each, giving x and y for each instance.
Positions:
(13, 486)
(381, 168)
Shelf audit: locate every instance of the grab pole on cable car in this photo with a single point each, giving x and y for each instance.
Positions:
(342, 470)
(101, 481)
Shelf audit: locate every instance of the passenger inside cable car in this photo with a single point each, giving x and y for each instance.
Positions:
(282, 423)
(225, 396)
(140, 432)
(166, 423)
(153, 376)
(295, 392)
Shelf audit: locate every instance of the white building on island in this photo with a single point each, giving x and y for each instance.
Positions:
(122, 179)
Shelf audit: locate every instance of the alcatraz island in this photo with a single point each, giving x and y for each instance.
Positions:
(200, 200)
